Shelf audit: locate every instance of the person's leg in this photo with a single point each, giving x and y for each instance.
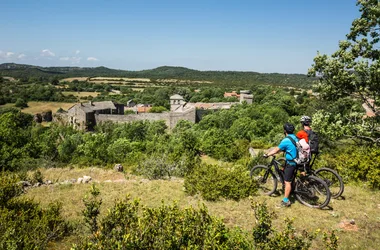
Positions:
(288, 188)
(288, 176)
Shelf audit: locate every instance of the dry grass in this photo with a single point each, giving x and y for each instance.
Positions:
(80, 94)
(359, 204)
(120, 78)
(9, 78)
(82, 79)
(38, 107)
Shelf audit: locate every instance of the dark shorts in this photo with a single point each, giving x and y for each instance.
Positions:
(289, 172)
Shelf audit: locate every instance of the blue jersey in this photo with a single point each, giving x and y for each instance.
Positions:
(289, 148)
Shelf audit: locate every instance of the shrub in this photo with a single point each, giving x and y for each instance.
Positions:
(128, 225)
(21, 103)
(214, 182)
(157, 109)
(37, 177)
(161, 166)
(266, 237)
(23, 223)
(356, 164)
(9, 187)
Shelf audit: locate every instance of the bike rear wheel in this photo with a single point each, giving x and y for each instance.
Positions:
(265, 179)
(332, 179)
(312, 192)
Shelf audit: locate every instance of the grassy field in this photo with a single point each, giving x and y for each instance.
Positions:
(80, 94)
(358, 204)
(82, 79)
(38, 107)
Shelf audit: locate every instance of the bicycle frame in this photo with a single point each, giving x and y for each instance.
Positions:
(277, 171)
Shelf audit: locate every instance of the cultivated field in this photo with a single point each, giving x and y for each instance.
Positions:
(359, 205)
(80, 94)
(38, 107)
(81, 79)
(134, 81)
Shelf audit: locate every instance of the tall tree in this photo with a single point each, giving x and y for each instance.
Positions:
(354, 69)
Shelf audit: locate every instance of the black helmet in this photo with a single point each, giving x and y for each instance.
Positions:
(289, 128)
(305, 120)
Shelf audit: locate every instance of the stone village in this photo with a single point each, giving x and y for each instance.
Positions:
(84, 116)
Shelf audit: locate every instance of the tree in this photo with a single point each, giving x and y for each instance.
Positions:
(157, 109)
(55, 81)
(354, 69)
(21, 103)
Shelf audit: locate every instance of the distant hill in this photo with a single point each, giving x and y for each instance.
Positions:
(232, 78)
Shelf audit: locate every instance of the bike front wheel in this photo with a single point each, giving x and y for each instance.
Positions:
(332, 179)
(312, 192)
(265, 179)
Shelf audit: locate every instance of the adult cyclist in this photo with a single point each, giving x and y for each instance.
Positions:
(287, 146)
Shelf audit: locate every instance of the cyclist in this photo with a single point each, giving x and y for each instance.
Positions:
(290, 150)
(302, 134)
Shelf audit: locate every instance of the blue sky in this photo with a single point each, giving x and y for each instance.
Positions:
(263, 36)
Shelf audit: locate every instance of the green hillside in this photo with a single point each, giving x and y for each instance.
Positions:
(232, 78)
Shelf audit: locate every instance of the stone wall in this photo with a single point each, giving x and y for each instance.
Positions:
(170, 118)
(188, 115)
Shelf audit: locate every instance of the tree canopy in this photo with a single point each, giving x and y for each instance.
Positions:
(354, 69)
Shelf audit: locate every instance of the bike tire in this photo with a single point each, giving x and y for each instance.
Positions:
(332, 179)
(266, 180)
(312, 192)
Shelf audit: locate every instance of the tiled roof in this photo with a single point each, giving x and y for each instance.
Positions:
(89, 107)
(143, 109)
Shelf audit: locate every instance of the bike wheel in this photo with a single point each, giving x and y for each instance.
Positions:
(332, 179)
(312, 192)
(265, 179)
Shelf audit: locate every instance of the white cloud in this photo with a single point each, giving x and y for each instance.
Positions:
(73, 60)
(77, 52)
(92, 59)
(47, 53)
(6, 55)
(21, 56)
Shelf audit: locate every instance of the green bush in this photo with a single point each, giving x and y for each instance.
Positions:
(267, 237)
(128, 225)
(9, 187)
(23, 223)
(214, 182)
(355, 164)
(21, 103)
(162, 166)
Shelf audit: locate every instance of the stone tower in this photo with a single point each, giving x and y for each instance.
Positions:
(245, 95)
(176, 101)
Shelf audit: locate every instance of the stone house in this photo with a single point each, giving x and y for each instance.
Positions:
(82, 115)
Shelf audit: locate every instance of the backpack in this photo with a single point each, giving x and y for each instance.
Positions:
(303, 151)
(313, 141)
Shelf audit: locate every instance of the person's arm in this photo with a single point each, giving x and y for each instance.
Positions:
(273, 151)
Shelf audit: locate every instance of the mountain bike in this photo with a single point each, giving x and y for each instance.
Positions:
(328, 175)
(309, 190)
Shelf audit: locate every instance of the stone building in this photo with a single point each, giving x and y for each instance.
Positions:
(82, 115)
